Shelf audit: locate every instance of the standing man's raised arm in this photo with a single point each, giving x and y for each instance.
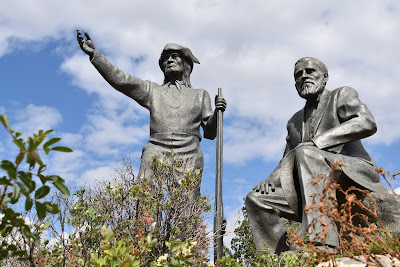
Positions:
(133, 87)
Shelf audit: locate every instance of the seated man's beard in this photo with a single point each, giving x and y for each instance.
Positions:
(310, 90)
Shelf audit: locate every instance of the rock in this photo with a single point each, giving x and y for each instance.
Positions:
(360, 261)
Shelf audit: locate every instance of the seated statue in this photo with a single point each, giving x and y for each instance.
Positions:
(177, 110)
(329, 128)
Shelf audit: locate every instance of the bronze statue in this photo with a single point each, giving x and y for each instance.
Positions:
(176, 109)
(330, 127)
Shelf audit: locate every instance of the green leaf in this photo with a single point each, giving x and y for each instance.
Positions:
(104, 230)
(41, 210)
(23, 189)
(52, 208)
(45, 133)
(19, 144)
(4, 120)
(43, 178)
(36, 157)
(15, 195)
(107, 234)
(105, 247)
(4, 180)
(31, 162)
(7, 231)
(36, 238)
(26, 178)
(52, 141)
(12, 247)
(47, 150)
(19, 253)
(19, 158)
(62, 149)
(61, 186)
(9, 167)
(31, 143)
(42, 168)
(55, 178)
(94, 256)
(46, 224)
(42, 192)
(28, 204)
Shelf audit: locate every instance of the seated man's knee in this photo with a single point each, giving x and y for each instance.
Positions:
(255, 202)
(250, 199)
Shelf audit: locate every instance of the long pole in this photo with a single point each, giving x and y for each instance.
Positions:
(218, 206)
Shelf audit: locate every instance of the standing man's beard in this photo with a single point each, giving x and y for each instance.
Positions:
(310, 90)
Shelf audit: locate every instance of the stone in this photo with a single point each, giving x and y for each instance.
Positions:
(360, 261)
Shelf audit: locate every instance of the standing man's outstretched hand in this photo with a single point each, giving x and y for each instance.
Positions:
(87, 44)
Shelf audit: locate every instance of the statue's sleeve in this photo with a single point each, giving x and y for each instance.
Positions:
(133, 87)
(288, 146)
(208, 121)
(356, 121)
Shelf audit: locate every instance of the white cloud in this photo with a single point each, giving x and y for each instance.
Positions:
(33, 118)
(107, 133)
(246, 141)
(71, 139)
(97, 174)
(69, 165)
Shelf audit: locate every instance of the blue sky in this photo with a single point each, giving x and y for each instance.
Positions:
(246, 47)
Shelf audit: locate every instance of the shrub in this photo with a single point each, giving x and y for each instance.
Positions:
(145, 220)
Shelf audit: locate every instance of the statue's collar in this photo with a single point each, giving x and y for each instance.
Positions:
(180, 85)
(315, 101)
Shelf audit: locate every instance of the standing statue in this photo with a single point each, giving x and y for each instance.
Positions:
(176, 109)
(330, 127)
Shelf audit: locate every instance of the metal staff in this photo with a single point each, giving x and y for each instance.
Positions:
(219, 220)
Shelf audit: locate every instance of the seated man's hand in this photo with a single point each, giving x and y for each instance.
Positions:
(264, 187)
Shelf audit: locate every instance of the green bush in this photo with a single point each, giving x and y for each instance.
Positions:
(157, 221)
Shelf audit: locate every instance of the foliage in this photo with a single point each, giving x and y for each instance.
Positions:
(243, 250)
(355, 221)
(265, 259)
(133, 209)
(119, 254)
(157, 221)
(22, 183)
